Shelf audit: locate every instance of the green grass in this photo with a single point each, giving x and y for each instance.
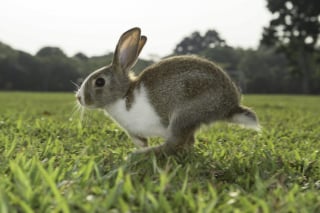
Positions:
(52, 162)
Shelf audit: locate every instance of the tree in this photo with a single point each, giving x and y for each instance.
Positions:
(50, 51)
(227, 57)
(57, 74)
(295, 30)
(196, 42)
(81, 56)
(58, 71)
(266, 71)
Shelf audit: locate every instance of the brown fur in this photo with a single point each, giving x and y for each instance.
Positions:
(191, 83)
(185, 91)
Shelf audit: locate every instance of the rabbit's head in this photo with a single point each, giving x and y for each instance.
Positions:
(112, 82)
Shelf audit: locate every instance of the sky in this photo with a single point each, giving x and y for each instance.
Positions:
(93, 27)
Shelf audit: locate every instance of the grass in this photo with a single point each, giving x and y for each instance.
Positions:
(52, 162)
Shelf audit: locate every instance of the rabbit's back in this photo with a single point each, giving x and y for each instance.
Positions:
(189, 83)
(170, 99)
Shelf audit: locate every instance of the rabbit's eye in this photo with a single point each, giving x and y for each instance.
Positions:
(100, 82)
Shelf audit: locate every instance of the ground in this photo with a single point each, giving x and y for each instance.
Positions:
(50, 161)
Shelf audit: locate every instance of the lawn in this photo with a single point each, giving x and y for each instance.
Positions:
(50, 161)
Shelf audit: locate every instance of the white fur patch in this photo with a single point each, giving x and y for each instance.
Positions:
(141, 119)
(246, 121)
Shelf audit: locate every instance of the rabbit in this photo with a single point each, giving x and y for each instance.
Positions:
(170, 99)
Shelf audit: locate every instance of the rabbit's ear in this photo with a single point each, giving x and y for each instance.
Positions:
(128, 48)
(142, 42)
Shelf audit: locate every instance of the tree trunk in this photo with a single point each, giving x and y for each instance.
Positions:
(304, 61)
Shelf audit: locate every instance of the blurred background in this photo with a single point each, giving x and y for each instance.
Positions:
(267, 46)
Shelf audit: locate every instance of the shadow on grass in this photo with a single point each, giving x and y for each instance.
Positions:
(201, 169)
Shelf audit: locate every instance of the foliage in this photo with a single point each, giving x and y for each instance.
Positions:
(49, 70)
(261, 70)
(295, 31)
(51, 52)
(52, 162)
(265, 71)
(196, 42)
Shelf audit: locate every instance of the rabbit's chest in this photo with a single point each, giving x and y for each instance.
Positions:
(141, 119)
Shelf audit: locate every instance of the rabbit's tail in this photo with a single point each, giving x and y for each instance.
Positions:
(245, 117)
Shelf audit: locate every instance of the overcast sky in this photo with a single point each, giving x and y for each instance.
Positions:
(93, 27)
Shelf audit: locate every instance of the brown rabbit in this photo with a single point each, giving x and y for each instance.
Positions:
(169, 99)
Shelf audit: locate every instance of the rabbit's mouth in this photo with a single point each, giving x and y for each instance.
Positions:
(79, 98)
(84, 101)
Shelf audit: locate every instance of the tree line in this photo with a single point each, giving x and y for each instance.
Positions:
(261, 70)
(50, 69)
(286, 61)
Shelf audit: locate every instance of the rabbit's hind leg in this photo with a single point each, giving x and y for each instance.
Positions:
(181, 138)
(182, 129)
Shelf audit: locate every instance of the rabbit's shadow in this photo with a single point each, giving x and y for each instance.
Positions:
(198, 167)
(195, 165)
